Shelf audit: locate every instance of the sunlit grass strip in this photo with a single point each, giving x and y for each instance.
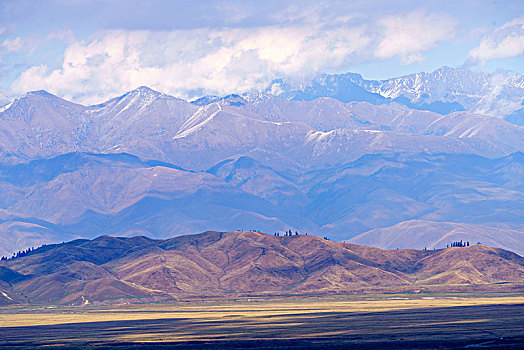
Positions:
(252, 312)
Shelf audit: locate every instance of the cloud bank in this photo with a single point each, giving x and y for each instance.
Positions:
(409, 35)
(192, 62)
(505, 42)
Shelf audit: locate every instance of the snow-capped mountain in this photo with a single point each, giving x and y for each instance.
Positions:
(323, 131)
(446, 90)
(149, 163)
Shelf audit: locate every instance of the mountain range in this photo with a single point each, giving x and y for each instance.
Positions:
(444, 91)
(232, 264)
(340, 156)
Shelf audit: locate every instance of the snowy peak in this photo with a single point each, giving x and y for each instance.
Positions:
(42, 96)
(140, 103)
(144, 92)
(41, 103)
(448, 90)
(140, 96)
(205, 100)
(341, 87)
(443, 81)
(231, 100)
(444, 91)
(42, 93)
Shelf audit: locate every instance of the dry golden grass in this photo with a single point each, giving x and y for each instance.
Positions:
(374, 321)
(254, 312)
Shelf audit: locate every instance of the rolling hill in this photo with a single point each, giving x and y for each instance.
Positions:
(232, 264)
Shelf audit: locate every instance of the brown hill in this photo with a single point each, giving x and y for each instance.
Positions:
(231, 264)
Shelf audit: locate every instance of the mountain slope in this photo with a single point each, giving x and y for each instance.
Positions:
(230, 264)
(39, 124)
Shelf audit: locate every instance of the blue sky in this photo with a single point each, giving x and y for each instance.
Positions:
(88, 51)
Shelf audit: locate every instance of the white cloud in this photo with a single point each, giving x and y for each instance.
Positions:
(180, 62)
(506, 41)
(407, 36)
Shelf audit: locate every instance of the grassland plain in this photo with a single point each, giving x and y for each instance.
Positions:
(427, 320)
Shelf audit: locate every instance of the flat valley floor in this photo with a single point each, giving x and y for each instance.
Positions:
(400, 321)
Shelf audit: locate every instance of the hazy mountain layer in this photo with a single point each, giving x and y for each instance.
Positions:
(231, 264)
(83, 195)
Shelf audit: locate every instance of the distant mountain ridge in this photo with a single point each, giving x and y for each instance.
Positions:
(151, 164)
(152, 125)
(444, 91)
(231, 264)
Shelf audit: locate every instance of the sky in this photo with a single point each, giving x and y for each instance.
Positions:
(89, 51)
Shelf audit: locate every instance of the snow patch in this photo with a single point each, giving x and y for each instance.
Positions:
(316, 136)
(197, 126)
(6, 107)
(7, 296)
